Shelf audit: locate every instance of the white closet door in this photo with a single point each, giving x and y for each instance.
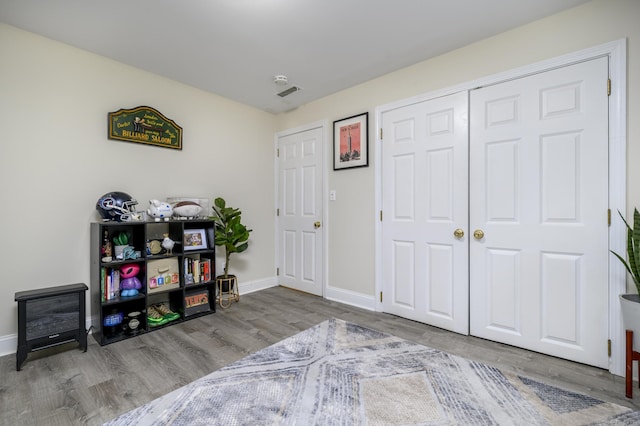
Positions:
(424, 199)
(300, 211)
(539, 193)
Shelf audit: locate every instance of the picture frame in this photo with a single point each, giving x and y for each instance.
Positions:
(351, 142)
(195, 239)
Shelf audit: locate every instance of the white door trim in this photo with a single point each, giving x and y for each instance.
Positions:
(324, 126)
(617, 52)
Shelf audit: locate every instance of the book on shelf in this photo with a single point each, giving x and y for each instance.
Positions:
(115, 284)
(188, 274)
(102, 284)
(205, 269)
(109, 283)
(196, 270)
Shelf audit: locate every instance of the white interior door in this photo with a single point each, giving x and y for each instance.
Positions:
(424, 201)
(539, 193)
(300, 231)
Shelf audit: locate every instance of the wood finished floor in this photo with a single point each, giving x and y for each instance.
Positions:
(64, 386)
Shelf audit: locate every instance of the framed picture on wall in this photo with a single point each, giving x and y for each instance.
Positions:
(351, 142)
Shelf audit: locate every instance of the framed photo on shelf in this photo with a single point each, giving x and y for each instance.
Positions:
(195, 239)
(351, 142)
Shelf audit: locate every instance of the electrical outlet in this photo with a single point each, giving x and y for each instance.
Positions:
(332, 195)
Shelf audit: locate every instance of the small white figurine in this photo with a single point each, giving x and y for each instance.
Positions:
(159, 210)
(186, 210)
(168, 243)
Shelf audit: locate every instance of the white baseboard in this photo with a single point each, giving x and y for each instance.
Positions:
(352, 298)
(9, 343)
(257, 285)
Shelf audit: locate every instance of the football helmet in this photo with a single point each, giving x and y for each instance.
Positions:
(118, 206)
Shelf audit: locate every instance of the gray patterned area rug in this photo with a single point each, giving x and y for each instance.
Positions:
(339, 373)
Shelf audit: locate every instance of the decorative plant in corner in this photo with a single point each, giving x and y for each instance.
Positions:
(633, 250)
(630, 303)
(229, 231)
(234, 236)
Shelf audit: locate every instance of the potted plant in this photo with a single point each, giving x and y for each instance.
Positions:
(234, 236)
(121, 242)
(630, 303)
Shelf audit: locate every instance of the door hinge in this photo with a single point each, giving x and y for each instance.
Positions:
(380, 297)
(609, 347)
(609, 217)
(380, 215)
(277, 272)
(380, 133)
(278, 152)
(277, 212)
(608, 87)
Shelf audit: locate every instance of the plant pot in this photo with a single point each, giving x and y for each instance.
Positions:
(227, 290)
(226, 284)
(630, 304)
(118, 252)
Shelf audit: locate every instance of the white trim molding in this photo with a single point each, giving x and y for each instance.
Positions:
(351, 298)
(8, 344)
(257, 285)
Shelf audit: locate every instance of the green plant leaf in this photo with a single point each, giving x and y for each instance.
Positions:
(632, 262)
(219, 202)
(635, 242)
(121, 239)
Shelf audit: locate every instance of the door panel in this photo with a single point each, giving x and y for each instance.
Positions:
(539, 192)
(300, 208)
(424, 199)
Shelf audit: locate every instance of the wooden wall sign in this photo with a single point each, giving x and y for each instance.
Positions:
(145, 125)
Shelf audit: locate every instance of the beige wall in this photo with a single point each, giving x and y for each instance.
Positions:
(56, 160)
(352, 216)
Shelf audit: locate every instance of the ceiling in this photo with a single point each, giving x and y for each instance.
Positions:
(235, 48)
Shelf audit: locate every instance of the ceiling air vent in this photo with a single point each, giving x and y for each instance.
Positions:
(290, 90)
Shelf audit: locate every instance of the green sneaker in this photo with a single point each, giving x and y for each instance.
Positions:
(166, 312)
(154, 318)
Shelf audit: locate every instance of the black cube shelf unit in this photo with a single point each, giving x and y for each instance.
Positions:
(182, 279)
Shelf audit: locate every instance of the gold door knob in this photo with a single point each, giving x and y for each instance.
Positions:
(316, 225)
(458, 233)
(478, 234)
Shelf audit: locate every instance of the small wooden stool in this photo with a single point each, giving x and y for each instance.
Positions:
(631, 356)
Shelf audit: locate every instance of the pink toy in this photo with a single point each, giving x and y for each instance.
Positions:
(129, 270)
(130, 284)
